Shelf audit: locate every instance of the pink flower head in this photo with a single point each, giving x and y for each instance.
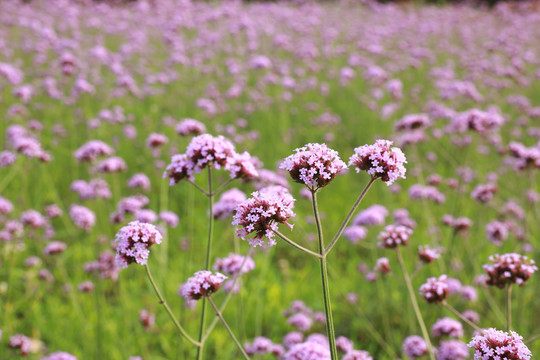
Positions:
(139, 180)
(22, 342)
(33, 218)
(234, 264)
(447, 327)
(452, 350)
(427, 254)
(55, 247)
(206, 149)
(59, 355)
(228, 202)
(414, 347)
(357, 355)
(82, 217)
(308, 350)
(380, 161)
(6, 206)
(314, 165)
(509, 269)
(92, 150)
(155, 140)
(241, 166)
(497, 344)
(190, 127)
(260, 214)
(169, 218)
(435, 290)
(394, 235)
(133, 243)
(202, 284)
(112, 164)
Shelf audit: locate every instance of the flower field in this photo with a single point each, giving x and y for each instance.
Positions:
(293, 181)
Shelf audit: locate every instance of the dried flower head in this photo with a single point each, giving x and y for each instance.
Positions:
(314, 165)
(380, 161)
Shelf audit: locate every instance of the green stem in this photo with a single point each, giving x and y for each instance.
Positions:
(463, 318)
(509, 307)
(228, 297)
(168, 309)
(223, 186)
(324, 280)
(290, 242)
(532, 339)
(240, 347)
(349, 216)
(210, 195)
(417, 312)
(200, 188)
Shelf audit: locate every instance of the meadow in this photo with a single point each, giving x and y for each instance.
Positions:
(456, 88)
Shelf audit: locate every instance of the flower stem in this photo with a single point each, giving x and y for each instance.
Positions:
(240, 347)
(463, 318)
(290, 242)
(229, 295)
(208, 258)
(168, 309)
(509, 307)
(532, 339)
(200, 188)
(417, 312)
(349, 216)
(223, 186)
(324, 279)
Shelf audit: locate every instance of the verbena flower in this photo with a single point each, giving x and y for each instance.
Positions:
(394, 235)
(509, 269)
(452, 350)
(435, 290)
(495, 344)
(308, 350)
(59, 355)
(202, 284)
(133, 243)
(313, 165)
(380, 161)
(234, 264)
(447, 327)
(260, 215)
(414, 347)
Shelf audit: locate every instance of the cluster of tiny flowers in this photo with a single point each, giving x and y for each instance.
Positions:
(133, 243)
(452, 350)
(495, 344)
(484, 193)
(94, 189)
(93, 149)
(55, 247)
(105, 266)
(241, 166)
(394, 235)
(380, 161)
(497, 232)
(190, 127)
(314, 165)
(21, 342)
(112, 165)
(262, 346)
(228, 202)
(509, 269)
(525, 157)
(260, 214)
(202, 284)
(234, 264)
(428, 255)
(418, 192)
(139, 180)
(82, 216)
(414, 347)
(60, 355)
(447, 327)
(435, 290)
(308, 350)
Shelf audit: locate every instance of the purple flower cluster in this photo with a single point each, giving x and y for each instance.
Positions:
(202, 284)
(205, 150)
(380, 161)
(314, 165)
(228, 202)
(262, 345)
(494, 344)
(393, 236)
(435, 290)
(452, 350)
(59, 355)
(93, 149)
(509, 269)
(260, 214)
(133, 243)
(308, 350)
(82, 216)
(447, 327)
(190, 127)
(414, 347)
